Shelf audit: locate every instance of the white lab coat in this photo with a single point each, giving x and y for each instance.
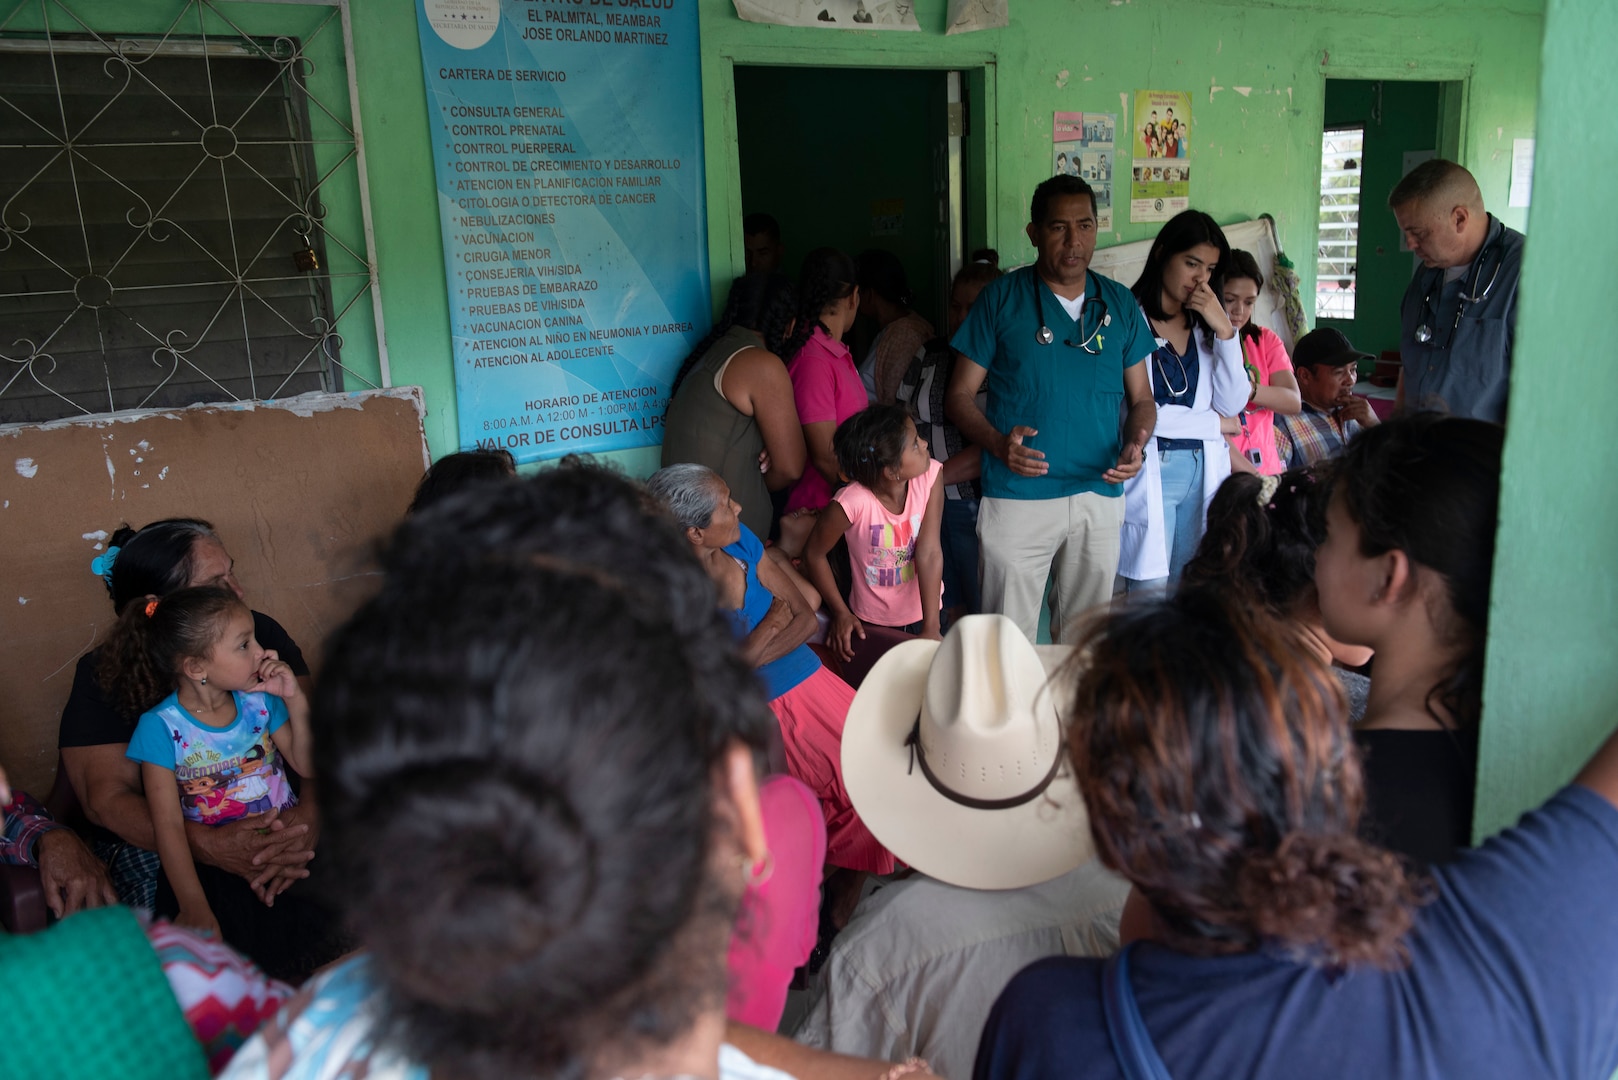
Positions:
(1222, 390)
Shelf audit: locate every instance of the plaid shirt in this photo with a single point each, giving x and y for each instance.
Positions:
(26, 822)
(922, 391)
(1311, 436)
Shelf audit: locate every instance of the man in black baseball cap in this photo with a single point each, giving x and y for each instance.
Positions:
(1327, 365)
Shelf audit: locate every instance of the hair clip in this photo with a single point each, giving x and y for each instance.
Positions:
(101, 565)
(1267, 487)
(151, 607)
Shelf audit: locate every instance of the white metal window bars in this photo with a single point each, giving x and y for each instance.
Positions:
(91, 285)
(1341, 161)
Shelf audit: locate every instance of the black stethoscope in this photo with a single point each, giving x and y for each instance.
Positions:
(1045, 336)
(1429, 308)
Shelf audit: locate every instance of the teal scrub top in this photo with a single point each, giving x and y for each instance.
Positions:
(1075, 400)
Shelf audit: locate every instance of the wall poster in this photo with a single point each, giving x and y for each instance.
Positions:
(1160, 173)
(1082, 146)
(567, 140)
(832, 14)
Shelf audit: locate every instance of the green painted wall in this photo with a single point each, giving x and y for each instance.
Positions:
(1253, 152)
(1551, 693)
(819, 145)
(1258, 72)
(1409, 119)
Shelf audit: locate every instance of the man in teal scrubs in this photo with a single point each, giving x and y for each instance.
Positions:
(1069, 411)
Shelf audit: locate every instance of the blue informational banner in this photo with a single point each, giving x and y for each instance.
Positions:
(567, 140)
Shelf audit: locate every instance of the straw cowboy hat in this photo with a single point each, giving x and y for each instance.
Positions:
(955, 758)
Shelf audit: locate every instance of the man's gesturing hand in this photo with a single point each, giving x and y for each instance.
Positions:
(1020, 459)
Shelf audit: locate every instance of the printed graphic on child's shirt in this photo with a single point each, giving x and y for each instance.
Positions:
(216, 788)
(893, 550)
(230, 773)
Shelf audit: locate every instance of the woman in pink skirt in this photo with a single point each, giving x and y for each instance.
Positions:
(773, 621)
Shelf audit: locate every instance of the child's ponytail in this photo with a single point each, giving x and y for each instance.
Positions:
(140, 660)
(870, 441)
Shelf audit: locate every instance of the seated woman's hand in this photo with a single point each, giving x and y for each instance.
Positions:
(843, 628)
(254, 846)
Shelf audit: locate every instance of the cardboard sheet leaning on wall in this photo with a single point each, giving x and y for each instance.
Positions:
(300, 491)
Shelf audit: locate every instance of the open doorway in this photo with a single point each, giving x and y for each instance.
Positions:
(1375, 132)
(857, 158)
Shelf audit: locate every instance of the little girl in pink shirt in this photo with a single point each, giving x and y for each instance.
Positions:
(889, 512)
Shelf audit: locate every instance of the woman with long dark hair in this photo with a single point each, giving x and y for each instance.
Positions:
(1405, 569)
(1260, 545)
(1212, 750)
(825, 382)
(1269, 370)
(732, 406)
(1197, 377)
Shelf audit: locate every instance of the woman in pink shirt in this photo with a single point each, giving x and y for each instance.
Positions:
(825, 381)
(1269, 371)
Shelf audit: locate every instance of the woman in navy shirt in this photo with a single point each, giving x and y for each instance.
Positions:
(1214, 755)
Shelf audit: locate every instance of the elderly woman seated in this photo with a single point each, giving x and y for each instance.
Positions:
(773, 622)
(544, 710)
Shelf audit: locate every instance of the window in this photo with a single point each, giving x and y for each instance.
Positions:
(164, 237)
(1341, 157)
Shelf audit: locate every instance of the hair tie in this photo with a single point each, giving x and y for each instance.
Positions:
(101, 565)
(1267, 486)
(151, 608)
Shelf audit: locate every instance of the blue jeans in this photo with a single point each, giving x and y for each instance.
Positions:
(1181, 473)
(958, 536)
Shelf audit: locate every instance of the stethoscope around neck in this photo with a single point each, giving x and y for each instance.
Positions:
(1044, 335)
(1429, 308)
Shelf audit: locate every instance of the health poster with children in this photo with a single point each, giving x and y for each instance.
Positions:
(1160, 172)
(1082, 145)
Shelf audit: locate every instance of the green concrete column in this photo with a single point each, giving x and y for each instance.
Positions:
(1551, 693)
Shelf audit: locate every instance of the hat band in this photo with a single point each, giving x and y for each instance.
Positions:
(918, 756)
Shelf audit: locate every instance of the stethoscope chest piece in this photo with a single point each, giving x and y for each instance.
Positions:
(1424, 333)
(1044, 336)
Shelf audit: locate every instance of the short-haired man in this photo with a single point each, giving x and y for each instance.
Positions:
(1060, 349)
(1326, 366)
(1459, 315)
(762, 249)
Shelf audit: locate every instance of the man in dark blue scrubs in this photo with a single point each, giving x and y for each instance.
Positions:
(1459, 315)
